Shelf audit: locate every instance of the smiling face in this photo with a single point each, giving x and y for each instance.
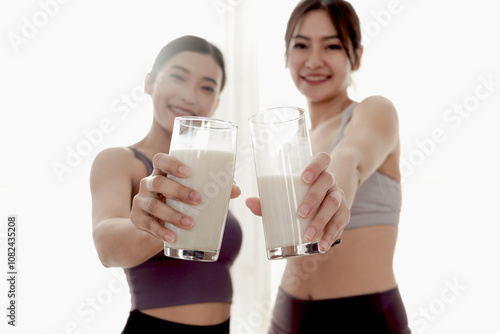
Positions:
(187, 85)
(318, 63)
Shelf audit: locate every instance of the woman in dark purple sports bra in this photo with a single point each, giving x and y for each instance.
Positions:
(128, 185)
(168, 295)
(351, 288)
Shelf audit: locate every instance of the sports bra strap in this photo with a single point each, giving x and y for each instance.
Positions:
(141, 156)
(346, 116)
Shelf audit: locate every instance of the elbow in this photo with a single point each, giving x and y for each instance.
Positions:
(105, 261)
(109, 259)
(101, 250)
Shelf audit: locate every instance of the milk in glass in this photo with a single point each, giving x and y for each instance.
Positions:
(280, 196)
(211, 175)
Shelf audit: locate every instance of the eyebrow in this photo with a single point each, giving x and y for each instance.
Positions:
(185, 70)
(324, 38)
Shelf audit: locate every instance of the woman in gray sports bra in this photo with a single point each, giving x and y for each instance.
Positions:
(352, 287)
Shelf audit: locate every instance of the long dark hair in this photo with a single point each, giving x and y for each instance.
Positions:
(189, 43)
(344, 19)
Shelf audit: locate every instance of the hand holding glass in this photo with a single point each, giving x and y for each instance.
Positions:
(208, 147)
(281, 150)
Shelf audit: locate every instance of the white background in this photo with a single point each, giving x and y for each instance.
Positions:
(82, 63)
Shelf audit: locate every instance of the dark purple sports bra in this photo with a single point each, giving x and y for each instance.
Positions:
(162, 281)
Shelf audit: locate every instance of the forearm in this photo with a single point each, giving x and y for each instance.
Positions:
(120, 244)
(345, 167)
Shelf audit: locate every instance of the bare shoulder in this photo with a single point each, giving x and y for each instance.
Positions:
(375, 117)
(376, 111)
(112, 157)
(378, 105)
(117, 161)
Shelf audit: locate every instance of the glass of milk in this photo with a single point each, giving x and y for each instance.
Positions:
(282, 149)
(208, 147)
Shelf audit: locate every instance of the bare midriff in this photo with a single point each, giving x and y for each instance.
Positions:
(203, 314)
(361, 264)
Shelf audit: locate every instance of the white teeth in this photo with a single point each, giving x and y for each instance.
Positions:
(316, 78)
(180, 111)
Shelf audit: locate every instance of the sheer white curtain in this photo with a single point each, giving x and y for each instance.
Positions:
(251, 271)
(258, 80)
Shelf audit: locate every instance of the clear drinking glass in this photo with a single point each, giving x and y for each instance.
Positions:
(282, 149)
(208, 147)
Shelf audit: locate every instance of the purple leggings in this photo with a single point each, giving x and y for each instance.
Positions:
(382, 312)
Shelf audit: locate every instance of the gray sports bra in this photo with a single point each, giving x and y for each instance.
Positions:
(378, 200)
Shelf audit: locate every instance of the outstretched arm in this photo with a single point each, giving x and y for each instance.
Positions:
(129, 231)
(369, 138)
(118, 242)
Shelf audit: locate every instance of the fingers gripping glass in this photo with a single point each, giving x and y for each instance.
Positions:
(208, 147)
(282, 149)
